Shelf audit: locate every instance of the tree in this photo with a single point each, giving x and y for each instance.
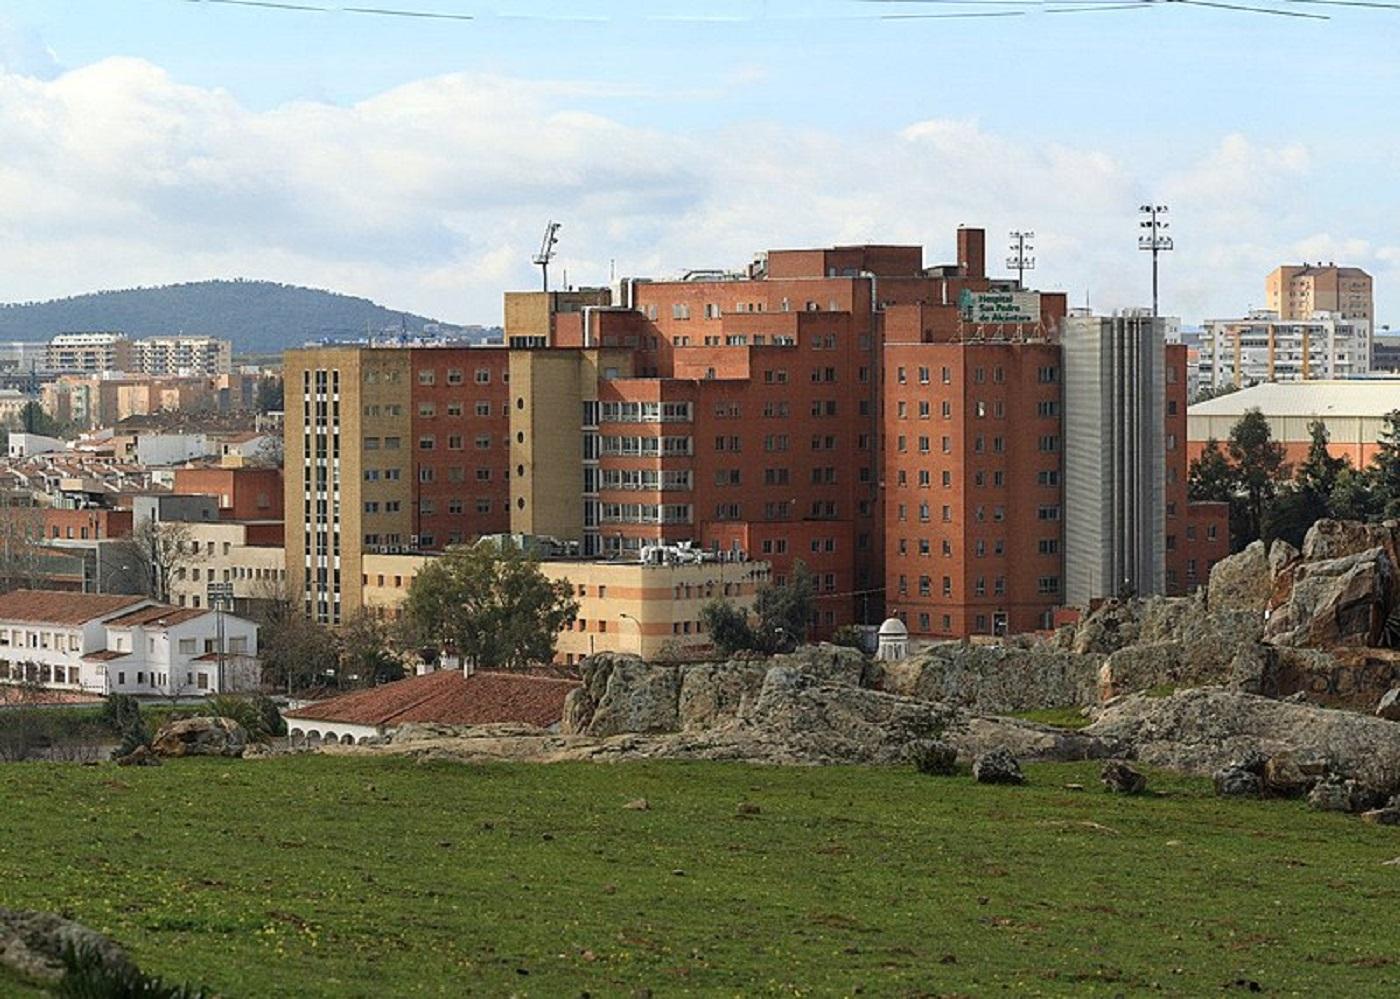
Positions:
(1258, 461)
(295, 652)
(728, 627)
(785, 609)
(21, 559)
(1317, 475)
(158, 549)
(1294, 510)
(490, 604)
(1354, 496)
(1211, 477)
(1386, 465)
(268, 398)
(33, 420)
(366, 658)
(1206, 392)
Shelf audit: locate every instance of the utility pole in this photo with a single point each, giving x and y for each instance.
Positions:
(1154, 239)
(1021, 260)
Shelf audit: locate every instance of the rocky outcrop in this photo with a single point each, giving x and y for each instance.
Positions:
(1335, 602)
(1389, 705)
(624, 693)
(995, 678)
(997, 766)
(1205, 729)
(201, 736)
(934, 757)
(1242, 581)
(1120, 778)
(716, 693)
(32, 945)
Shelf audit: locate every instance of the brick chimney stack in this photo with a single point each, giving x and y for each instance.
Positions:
(972, 252)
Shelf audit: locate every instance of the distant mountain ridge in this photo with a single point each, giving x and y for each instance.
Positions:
(260, 317)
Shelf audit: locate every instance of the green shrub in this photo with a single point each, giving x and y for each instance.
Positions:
(87, 976)
(257, 714)
(119, 711)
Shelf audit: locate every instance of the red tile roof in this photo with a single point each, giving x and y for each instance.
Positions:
(106, 655)
(161, 614)
(62, 606)
(448, 697)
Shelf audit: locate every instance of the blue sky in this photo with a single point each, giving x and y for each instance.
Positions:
(413, 161)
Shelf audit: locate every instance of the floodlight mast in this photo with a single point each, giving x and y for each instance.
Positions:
(1154, 239)
(1021, 260)
(546, 253)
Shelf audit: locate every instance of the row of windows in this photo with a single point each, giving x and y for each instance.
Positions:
(428, 410)
(455, 376)
(924, 547)
(979, 513)
(645, 478)
(647, 445)
(1045, 586)
(482, 442)
(645, 412)
(646, 513)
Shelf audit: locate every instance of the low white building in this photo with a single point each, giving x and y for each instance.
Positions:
(172, 449)
(21, 445)
(110, 643)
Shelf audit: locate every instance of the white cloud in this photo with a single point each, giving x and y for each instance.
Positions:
(431, 196)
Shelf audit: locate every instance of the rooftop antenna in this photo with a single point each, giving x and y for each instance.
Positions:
(1021, 260)
(546, 253)
(1154, 239)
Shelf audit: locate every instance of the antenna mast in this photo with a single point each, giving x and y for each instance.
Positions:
(546, 253)
(1154, 239)
(1021, 260)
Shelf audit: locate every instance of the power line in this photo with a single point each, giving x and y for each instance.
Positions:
(959, 9)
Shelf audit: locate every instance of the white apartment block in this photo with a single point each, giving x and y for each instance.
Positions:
(1264, 348)
(113, 644)
(88, 353)
(183, 355)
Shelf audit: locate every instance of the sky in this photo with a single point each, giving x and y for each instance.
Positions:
(416, 161)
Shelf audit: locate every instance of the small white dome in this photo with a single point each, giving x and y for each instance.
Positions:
(893, 628)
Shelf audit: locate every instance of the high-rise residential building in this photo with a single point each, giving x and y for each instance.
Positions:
(1115, 457)
(1263, 347)
(88, 353)
(1301, 291)
(182, 355)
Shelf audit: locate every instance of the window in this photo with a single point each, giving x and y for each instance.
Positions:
(427, 443)
(425, 377)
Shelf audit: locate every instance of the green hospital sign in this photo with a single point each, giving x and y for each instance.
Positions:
(1000, 306)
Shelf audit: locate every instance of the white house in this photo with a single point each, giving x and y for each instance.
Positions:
(110, 643)
(27, 445)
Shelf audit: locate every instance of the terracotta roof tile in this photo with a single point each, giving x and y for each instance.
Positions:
(449, 698)
(62, 606)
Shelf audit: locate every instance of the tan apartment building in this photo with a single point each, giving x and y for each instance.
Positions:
(631, 607)
(1297, 292)
(244, 554)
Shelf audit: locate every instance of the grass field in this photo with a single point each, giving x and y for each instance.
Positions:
(326, 876)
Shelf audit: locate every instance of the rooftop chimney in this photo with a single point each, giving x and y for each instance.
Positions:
(972, 252)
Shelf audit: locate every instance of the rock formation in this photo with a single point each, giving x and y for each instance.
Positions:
(201, 736)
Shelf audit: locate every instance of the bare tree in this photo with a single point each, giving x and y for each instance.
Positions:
(158, 549)
(21, 560)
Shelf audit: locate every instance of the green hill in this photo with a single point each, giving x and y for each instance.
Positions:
(260, 317)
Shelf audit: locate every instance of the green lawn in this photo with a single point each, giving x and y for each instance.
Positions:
(326, 876)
